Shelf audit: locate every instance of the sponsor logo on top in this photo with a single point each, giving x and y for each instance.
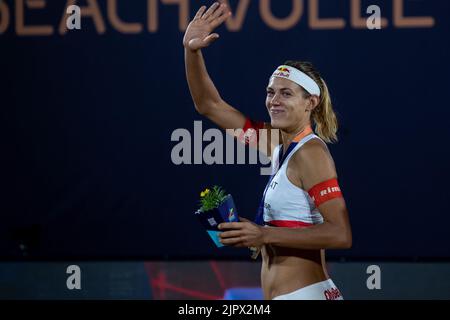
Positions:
(282, 72)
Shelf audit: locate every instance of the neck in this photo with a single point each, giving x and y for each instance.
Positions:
(289, 134)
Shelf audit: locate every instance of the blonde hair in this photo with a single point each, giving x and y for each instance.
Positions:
(323, 116)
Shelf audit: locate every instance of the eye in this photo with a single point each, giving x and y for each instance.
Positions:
(287, 94)
(269, 93)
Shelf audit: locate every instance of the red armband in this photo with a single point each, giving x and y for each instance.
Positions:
(325, 191)
(250, 132)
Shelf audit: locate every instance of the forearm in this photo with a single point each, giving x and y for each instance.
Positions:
(203, 91)
(321, 236)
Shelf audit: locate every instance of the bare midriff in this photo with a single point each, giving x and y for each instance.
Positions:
(285, 270)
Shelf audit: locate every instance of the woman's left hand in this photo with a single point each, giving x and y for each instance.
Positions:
(241, 234)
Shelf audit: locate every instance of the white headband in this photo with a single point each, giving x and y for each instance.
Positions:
(300, 78)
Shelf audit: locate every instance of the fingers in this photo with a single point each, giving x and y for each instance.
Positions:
(230, 225)
(210, 39)
(211, 10)
(230, 234)
(200, 12)
(220, 9)
(224, 15)
(237, 242)
(243, 219)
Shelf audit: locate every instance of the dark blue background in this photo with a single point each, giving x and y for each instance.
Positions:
(86, 124)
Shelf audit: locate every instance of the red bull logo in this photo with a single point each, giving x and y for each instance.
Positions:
(282, 72)
(283, 69)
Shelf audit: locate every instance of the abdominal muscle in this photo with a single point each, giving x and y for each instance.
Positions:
(285, 270)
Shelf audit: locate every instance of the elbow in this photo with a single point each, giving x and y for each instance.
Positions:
(345, 240)
(342, 238)
(347, 243)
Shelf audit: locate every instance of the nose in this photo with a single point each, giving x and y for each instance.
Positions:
(274, 100)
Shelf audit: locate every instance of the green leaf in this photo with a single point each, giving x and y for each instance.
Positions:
(213, 199)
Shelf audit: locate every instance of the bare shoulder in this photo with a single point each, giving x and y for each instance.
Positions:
(315, 163)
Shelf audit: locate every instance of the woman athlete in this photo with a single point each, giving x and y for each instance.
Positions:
(303, 211)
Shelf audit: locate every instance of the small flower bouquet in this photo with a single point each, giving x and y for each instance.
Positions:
(216, 207)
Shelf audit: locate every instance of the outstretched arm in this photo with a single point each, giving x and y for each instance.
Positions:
(205, 95)
(207, 99)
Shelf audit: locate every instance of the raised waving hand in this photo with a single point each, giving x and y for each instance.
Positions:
(199, 34)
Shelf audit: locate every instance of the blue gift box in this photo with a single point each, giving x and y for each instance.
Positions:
(211, 219)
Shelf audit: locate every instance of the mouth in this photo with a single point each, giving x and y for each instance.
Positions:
(277, 111)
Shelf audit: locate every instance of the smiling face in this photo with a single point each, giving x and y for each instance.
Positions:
(288, 104)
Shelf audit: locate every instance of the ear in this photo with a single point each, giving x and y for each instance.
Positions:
(313, 102)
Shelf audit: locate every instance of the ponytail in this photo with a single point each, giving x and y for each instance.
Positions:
(323, 116)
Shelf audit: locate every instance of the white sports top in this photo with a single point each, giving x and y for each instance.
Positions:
(285, 204)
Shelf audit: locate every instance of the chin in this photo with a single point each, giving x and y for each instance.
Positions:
(274, 124)
(277, 124)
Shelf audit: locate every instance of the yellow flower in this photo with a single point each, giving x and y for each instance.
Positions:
(204, 193)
